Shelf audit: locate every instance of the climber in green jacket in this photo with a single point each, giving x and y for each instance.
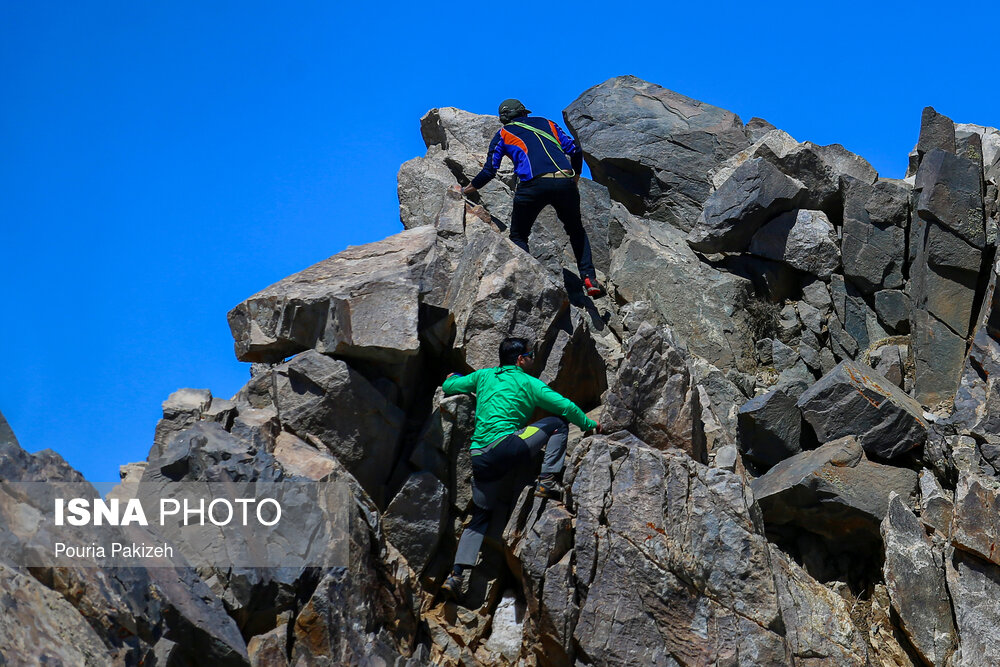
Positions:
(503, 444)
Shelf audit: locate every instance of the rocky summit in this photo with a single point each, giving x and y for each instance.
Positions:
(796, 363)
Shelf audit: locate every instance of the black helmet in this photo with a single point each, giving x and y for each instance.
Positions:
(511, 109)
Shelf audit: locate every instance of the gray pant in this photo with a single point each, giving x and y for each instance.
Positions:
(498, 475)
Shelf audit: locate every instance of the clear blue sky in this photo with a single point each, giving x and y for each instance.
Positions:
(162, 161)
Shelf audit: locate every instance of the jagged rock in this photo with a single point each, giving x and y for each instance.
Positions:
(854, 315)
(41, 627)
(653, 395)
(757, 128)
(674, 570)
(755, 193)
(977, 401)
(887, 361)
(498, 291)
(268, 649)
(259, 429)
(975, 527)
(951, 194)
(574, 366)
(834, 492)
(975, 595)
(893, 310)
(301, 459)
(443, 446)
(415, 519)
(937, 358)
(765, 350)
(319, 396)
(854, 400)
(653, 148)
(422, 187)
(721, 399)
(507, 631)
(770, 428)
(769, 146)
(936, 508)
(874, 234)
(782, 356)
(708, 315)
(805, 240)
(362, 303)
(820, 169)
(182, 408)
(937, 131)
(914, 575)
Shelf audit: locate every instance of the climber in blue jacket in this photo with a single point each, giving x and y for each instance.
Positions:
(547, 162)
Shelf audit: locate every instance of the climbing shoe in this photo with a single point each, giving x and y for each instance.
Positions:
(592, 287)
(452, 586)
(549, 487)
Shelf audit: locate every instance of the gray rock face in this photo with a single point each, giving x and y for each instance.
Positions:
(977, 401)
(893, 310)
(874, 236)
(805, 240)
(755, 193)
(319, 396)
(975, 592)
(915, 578)
(854, 400)
(708, 315)
(770, 428)
(652, 148)
(820, 169)
(937, 131)
(182, 409)
(951, 194)
(674, 569)
(363, 303)
(415, 519)
(975, 527)
(498, 291)
(654, 397)
(834, 492)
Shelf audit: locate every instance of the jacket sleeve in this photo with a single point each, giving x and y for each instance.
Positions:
(570, 148)
(554, 402)
(493, 157)
(459, 384)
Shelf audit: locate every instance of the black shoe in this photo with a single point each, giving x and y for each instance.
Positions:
(592, 287)
(452, 586)
(548, 487)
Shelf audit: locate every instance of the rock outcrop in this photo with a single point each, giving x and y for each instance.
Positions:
(795, 368)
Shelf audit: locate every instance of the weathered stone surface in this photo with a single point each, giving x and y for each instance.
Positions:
(415, 519)
(498, 291)
(937, 131)
(976, 522)
(319, 396)
(820, 169)
(854, 400)
(914, 575)
(936, 507)
(422, 188)
(893, 310)
(975, 595)
(755, 193)
(937, 359)
(805, 240)
(652, 148)
(40, 627)
(443, 446)
(363, 302)
(770, 145)
(888, 361)
(708, 315)
(653, 395)
(756, 128)
(834, 492)
(770, 429)
(951, 194)
(874, 234)
(674, 569)
(977, 401)
(574, 366)
(302, 459)
(182, 408)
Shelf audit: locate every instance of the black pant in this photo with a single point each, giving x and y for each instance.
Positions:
(534, 195)
(498, 472)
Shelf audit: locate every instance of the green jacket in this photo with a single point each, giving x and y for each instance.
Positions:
(506, 397)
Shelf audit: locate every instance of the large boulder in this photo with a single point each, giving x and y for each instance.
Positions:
(325, 398)
(770, 428)
(874, 233)
(951, 194)
(363, 303)
(497, 291)
(652, 148)
(415, 519)
(977, 401)
(834, 492)
(804, 240)
(914, 575)
(974, 586)
(653, 395)
(708, 314)
(672, 567)
(755, 193)
(855, 400)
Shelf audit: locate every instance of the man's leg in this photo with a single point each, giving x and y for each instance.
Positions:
(550, 433)
(472, 537)
(527, 205)
(566, 200)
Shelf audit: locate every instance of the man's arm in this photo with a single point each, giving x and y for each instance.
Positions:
(493, 157)
(551, 400)
(459, 384)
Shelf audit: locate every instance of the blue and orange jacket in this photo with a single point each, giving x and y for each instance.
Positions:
(532, 154)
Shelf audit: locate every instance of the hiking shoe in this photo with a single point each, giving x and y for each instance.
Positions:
(548, 487)
(592, 287)
(452, 586)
